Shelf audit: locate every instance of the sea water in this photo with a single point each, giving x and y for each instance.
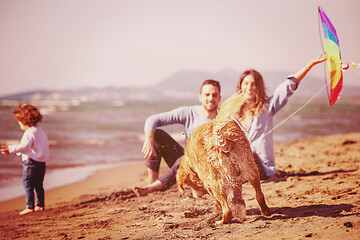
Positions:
(85, 137)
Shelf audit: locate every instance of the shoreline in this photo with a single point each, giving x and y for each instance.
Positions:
(81, 174)
(14, 188)
(76, 178)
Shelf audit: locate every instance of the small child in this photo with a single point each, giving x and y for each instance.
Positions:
(34, 149)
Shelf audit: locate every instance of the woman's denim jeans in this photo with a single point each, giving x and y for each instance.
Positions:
(33, 177)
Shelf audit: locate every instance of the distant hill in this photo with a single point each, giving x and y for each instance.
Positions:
(180, 86)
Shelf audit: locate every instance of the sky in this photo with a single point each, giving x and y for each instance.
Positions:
(65, 44)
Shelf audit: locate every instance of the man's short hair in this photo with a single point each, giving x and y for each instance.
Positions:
(211, 82)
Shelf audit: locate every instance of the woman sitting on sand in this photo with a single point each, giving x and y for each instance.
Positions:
(258, 111)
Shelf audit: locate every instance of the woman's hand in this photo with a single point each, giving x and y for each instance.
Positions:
(321, 58)
(299, 75)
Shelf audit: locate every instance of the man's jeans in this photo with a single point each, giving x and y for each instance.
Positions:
(171, 151)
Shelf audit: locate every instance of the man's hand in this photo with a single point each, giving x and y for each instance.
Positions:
(4, 149)
(148, 149)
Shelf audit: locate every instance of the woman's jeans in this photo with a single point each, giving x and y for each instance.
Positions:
(171, 151)
(33, 177)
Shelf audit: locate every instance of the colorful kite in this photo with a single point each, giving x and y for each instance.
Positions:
(332, 50)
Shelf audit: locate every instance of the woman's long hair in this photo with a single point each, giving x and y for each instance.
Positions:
(261, 97)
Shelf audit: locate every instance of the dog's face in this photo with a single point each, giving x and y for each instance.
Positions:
(186, 174)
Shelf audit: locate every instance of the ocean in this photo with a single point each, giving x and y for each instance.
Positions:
(85, 137)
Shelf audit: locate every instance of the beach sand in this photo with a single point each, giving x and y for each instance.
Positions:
(317, 198)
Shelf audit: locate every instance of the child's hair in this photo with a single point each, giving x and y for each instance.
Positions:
(27, 114)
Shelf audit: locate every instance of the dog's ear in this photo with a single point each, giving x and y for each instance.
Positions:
(231, 106)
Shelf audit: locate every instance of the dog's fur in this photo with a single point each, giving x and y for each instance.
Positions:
(218, 159)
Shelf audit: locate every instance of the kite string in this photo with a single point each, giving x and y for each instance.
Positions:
(355, 71)
(291, 115)
(314, 96)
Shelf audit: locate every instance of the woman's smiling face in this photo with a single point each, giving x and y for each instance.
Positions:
(248, 87)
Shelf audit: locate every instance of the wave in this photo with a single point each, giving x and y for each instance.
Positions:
(88, 142)
(54, 143)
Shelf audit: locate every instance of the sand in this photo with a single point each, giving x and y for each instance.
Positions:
(317, 198)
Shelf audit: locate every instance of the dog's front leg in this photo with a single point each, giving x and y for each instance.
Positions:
(181, 177)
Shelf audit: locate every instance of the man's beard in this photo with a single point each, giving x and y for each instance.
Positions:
(211, 108)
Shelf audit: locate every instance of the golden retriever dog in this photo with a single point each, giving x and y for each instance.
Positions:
(218, 159)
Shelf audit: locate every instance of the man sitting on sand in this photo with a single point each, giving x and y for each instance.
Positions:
(158, 144)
